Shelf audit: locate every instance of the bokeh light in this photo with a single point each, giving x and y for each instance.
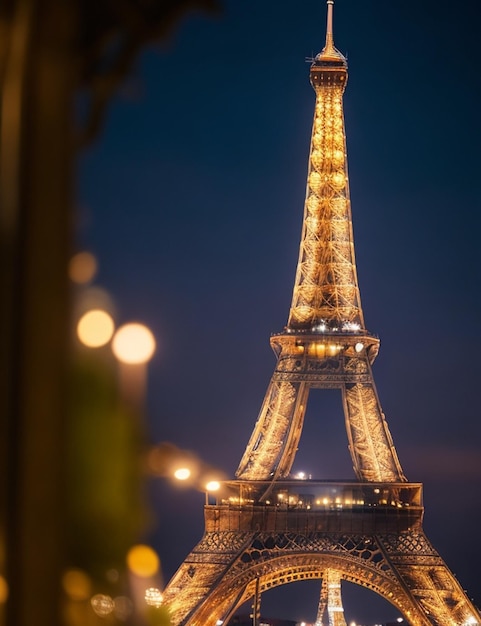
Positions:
(153, 596)
(76, 584)
(102, 604)
(213, 485)
(133, 343)
(95, 328)
(82, 268)
(143, 561)
(183, 473)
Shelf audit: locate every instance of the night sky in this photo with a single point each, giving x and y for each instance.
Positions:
(192, 199)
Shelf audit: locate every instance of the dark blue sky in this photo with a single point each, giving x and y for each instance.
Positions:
(192, 200)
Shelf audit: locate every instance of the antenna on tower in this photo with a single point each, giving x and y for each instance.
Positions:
(330, 52)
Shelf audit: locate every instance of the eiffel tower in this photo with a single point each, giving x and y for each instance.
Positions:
(267, 529)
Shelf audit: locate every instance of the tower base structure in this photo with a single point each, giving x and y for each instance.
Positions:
(369, 534)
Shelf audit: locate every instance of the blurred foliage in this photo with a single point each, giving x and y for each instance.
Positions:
(157, 616)
(107, 510)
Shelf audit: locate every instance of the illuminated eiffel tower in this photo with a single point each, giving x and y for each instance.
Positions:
(267, 530)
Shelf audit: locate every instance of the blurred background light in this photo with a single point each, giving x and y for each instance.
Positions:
(143, 561)
(95, 328)
(76, 584)
(82, 268)
(102, 604)
(183, 473)
(133, 343)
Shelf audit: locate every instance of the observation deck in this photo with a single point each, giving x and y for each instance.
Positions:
(315, 506)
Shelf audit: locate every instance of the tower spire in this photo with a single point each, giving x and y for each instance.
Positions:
(330, 52)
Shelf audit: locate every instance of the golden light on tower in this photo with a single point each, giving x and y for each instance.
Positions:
(213, 485)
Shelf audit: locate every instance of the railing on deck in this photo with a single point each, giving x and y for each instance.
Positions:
(305, 506)
(319, 495)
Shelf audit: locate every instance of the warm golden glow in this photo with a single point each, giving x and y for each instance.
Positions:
(213, 485)
(153, 596)
(143, 561)
(102, 604)
(326, 283)
(76, 584)
(82, 268)
(95, 328)
(133, 343)
(183, 473)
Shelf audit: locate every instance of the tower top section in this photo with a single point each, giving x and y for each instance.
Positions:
(330, 52)
(330, 65)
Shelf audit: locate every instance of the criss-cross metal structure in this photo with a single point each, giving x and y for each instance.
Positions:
(331, 610)
(267, 529)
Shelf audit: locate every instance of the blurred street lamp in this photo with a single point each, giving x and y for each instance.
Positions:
(95, 328)
(183, 473)
(133, 346)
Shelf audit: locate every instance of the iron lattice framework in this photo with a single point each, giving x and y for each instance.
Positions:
(330, 602)
(265, 530)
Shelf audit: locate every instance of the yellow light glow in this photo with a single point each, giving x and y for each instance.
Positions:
(143, 561)
(183, 473)
(153, 596)
(76, 584)
(95, 328)
(213, 485)
(102, 605)
(133, 343)
(82, 268)
(315, 181)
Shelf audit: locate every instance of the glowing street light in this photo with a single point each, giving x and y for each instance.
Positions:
(182, 473)
(95, 328)
(133, 346)
(210, 487)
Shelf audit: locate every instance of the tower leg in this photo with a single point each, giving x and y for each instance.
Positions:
(272, 446)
